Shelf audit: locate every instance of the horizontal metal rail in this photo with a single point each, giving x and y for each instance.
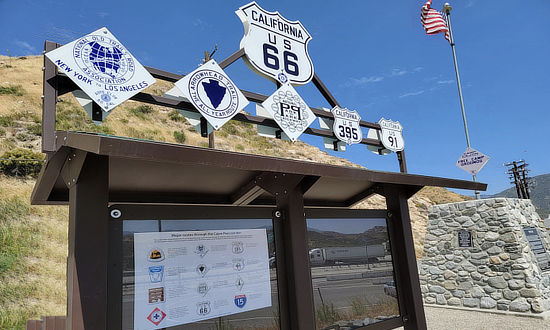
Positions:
(62, 84)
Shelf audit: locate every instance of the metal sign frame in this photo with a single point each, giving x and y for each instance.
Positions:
(56, 85)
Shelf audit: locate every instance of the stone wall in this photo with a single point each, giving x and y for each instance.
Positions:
(500, 271)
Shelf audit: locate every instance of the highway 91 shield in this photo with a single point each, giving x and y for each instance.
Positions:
(102, 67)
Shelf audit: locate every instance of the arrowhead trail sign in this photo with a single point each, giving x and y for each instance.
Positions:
(211, 91)
(102, 67)
(472, 161)
(273, 44)
(346, 125)
(391, 135)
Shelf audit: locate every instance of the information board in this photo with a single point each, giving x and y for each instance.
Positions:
(465, 239)
(187, 276)
(537, 247)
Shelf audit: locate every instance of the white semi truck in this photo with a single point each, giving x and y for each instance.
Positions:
(346, 255)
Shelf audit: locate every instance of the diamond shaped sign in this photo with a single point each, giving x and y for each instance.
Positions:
(290, 111)
(156, 316)
(102, 67)
(472, 161)
(211, 91)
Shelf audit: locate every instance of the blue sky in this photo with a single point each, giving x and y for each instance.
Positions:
(373, 56)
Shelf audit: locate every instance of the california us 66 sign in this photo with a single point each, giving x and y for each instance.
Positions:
(346, 125)
(273, 45)
(392, 137)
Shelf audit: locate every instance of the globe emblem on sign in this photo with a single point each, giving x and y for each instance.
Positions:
(104, 59)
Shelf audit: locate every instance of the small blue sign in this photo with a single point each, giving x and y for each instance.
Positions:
(155, 273)
(240, 300)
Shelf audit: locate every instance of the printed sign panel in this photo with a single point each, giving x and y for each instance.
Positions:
(289, 111)
(472, 161)
(537, 247)
(465, 239)
(274, 45)
(211, 91)
(188, 276)
(391, 135)
(346, 125)
(102, 67)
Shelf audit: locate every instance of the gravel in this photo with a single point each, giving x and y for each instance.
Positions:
(454, 319)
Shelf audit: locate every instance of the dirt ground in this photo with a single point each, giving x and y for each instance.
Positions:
(452, 319)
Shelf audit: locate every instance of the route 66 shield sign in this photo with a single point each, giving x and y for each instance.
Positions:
(273, 44)
(392, 137)
(346, 125)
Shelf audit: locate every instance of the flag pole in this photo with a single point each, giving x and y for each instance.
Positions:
(447, 10)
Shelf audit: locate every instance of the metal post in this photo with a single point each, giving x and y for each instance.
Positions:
(447, 9)
(87, 262)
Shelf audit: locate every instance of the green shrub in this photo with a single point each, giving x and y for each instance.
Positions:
(179, 136)
(175, 115)
(21, 162)
(16, 90)
(326, 314)
(35, 129)
(141, 111)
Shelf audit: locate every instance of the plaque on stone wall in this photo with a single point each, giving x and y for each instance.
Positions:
(465, 239)
(537, 247)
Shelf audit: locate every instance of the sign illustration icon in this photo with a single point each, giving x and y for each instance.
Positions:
(203, 288)
(156, 273)
(203, 308)
(156, 316)
(238, 264)
(240, 300)
(202, 269)
(273, 44)
(238, 247)
(239, 283)
(201, 250)
(156, 255)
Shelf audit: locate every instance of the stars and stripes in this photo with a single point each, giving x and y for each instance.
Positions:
(433, 21)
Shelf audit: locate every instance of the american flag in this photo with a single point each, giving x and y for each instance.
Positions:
(433, 21)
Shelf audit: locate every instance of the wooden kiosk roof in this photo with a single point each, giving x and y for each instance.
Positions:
(154, 172)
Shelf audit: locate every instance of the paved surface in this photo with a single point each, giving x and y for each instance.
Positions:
(452, 319)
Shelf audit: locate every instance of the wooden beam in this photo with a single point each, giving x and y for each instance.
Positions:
(374, 189)
(247, 193)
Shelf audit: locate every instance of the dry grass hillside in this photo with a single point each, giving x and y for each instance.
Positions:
(33, 239)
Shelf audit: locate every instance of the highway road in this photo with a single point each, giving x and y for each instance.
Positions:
(326, 284)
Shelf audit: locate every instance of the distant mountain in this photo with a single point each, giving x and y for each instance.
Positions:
(540, 194)
(374, 235)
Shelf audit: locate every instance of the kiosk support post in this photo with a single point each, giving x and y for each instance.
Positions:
(87, 263)
(406, 271)
(287, 189)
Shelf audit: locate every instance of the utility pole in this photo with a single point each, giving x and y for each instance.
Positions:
(518, 172)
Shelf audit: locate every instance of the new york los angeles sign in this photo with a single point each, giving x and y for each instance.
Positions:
(275, 45)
